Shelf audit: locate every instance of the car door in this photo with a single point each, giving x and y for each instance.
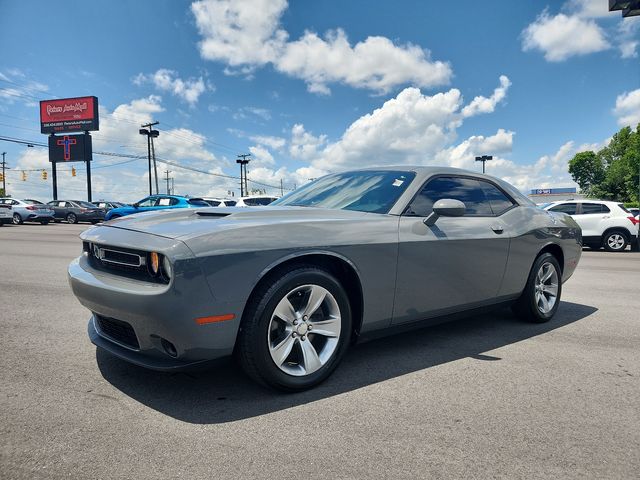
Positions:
(590, 217)
(146, 204)
(56, 206)
(458, 262)
(163, 203)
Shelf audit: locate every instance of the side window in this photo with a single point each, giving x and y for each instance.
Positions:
(467, 190)
(497, 199)
(569, 208)
(62, 204)
(589, 208)
(147, 202)
(164, 202)
(230, 203)
(252, 202)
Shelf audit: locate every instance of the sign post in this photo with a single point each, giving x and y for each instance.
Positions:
(79, 114)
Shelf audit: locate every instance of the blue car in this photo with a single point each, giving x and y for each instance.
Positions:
(156, 202)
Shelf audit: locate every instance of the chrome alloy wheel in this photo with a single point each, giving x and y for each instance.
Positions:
(615, 241)
(304, 330)
(546, 288)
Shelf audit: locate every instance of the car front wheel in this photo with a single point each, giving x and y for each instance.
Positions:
(615, 241)
(541, 295)
(296, 329)
(71, 218)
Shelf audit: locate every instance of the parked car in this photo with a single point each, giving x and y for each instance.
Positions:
(255, 200)
(6, 214)
(28, 211)
(289, 287)
(156, 202)
(106, 206)
(74, 211)
(604, 223)
(220, 202)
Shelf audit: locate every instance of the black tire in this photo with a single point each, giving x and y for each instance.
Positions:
(57, 220)
(17, 219)
(44, 222)
(253, 346)
(615, 241)
(72, 218)
(527, 307)
(93, 222)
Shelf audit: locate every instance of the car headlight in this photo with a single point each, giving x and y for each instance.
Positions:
(166, 268)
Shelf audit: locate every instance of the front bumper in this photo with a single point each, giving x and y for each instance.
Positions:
(157, 313)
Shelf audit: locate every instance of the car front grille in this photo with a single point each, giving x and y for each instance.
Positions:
(121, 261)
(118, 330)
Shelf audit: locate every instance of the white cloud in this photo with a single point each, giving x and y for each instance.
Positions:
(17, 88)
(562, 36)
(482, 104)
(246, 34)
(305, 145)
(188, 90)
(628, 37)
(269, 141)
(627, 108)
(261, 156)
(587, 8)
(245, 112)
(240, 32)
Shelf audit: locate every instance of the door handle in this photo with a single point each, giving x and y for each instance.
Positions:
(606, 216)
(497, 229)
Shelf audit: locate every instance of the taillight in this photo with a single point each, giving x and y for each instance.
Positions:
(31, 207)
(84, 210)
(634, 220)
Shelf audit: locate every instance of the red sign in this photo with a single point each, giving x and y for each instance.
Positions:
(69, 115)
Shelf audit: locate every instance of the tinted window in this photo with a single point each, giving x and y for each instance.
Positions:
(497, 199)
(197, 202)
(253, 202)
(86, 205)
(213, 203)
(230, 203)
(147, 202)
(364, 191)
(569, 208)
(467, 190)
(588, 208)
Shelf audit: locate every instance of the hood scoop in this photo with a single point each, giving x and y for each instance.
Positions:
(212, 214)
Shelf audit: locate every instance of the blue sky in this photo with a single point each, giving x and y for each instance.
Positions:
(314, 87)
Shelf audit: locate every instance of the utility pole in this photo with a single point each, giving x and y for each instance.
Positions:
(155, 166)
(281, 188)
(4, 182)
(484, 159)
(243, 160)
(150, 134)
(167, 172)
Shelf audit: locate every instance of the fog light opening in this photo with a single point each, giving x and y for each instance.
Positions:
(169, 348)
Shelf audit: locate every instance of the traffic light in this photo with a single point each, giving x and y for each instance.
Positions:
(24, 176)
(73, 171)
(1, 177)
(44, 174)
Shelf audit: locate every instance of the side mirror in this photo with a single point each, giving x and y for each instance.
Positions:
(446, 207)
(135, 205)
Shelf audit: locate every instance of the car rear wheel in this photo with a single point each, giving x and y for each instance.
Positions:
(44, 222)
(71, 218)
(541, 296)
(17, 219)
(296, 329)
(615, 241)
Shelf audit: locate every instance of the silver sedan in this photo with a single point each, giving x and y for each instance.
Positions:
(29, 210)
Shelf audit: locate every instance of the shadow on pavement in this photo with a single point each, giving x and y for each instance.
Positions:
(225, 394)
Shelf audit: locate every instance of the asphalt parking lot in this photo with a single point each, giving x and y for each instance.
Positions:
(484, 397)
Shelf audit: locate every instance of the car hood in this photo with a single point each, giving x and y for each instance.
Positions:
(188, 223)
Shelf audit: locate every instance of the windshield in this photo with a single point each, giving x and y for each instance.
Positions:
(86, 204)
(364, 191)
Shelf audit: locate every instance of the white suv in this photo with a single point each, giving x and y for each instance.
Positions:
(604, 224)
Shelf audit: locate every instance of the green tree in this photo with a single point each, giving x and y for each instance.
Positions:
(611, 173)
(587, 170)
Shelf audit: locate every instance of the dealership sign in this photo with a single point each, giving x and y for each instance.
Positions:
(70, 148)
(69, 115)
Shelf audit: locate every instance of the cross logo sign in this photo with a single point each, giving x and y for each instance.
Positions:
(67, 142)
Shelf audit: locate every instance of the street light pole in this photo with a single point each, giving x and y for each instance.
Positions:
(4, 184)
(150, 135)
(484, 159)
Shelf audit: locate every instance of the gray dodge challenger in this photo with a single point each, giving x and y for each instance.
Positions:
(287, 288)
